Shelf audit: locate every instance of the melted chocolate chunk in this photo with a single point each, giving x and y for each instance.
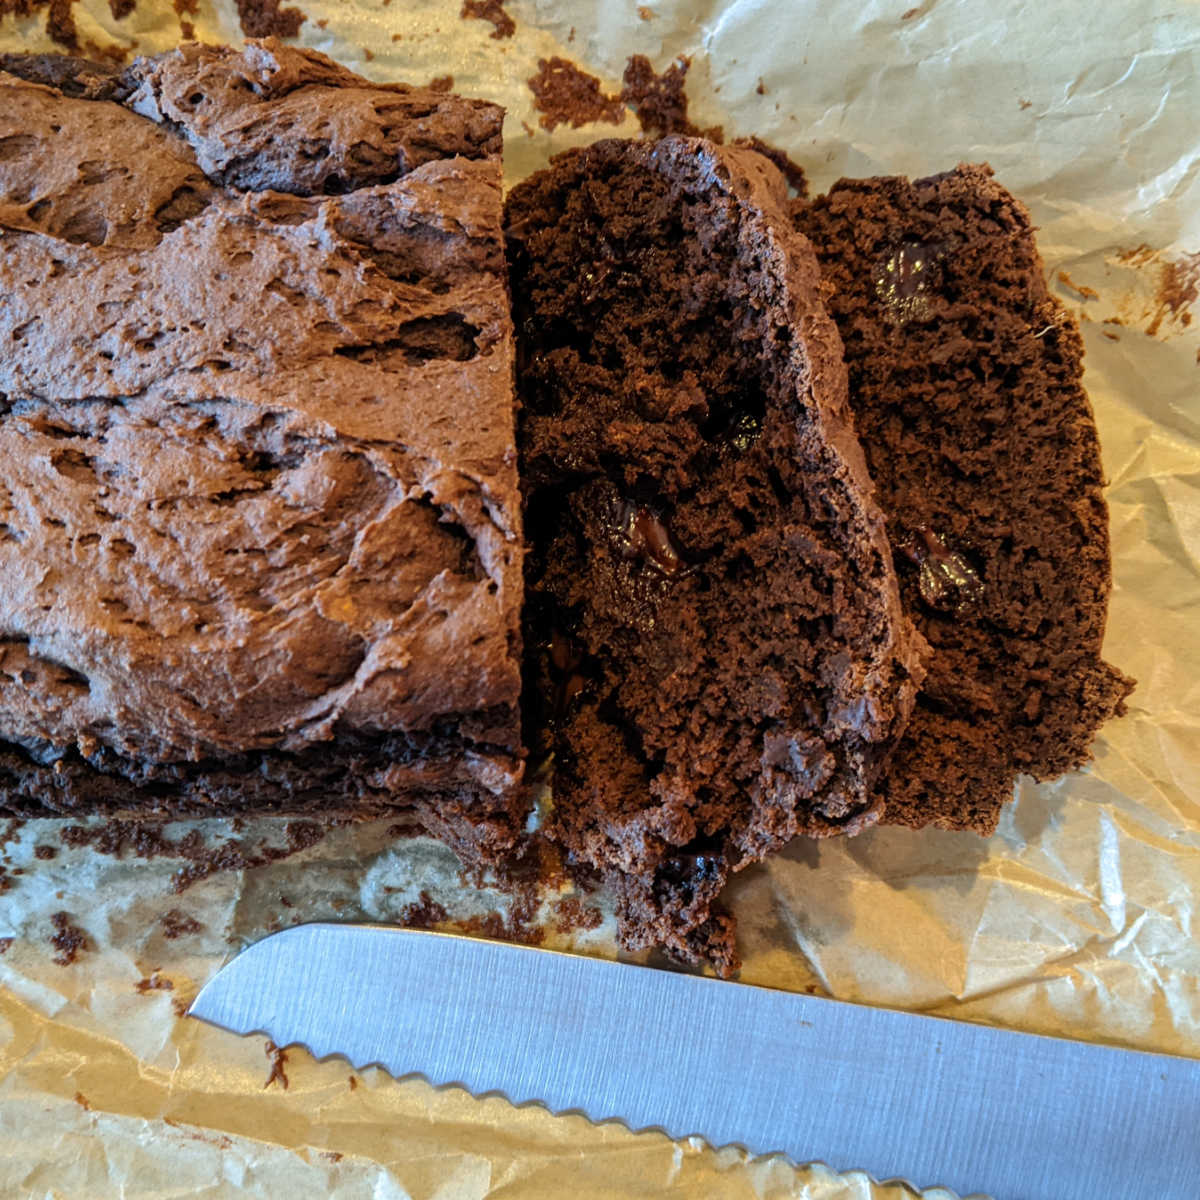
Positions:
(946, 579)
(642, 535)
(905, 276)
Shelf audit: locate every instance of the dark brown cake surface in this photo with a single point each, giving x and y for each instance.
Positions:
(965, 385)
(717, 655)
(261, 544)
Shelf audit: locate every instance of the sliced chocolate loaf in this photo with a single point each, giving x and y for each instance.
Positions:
(261, 542)
(965, 385)
(717, 659)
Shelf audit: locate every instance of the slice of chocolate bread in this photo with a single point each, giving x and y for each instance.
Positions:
(261, 544)
(717, 657)
(965, 385)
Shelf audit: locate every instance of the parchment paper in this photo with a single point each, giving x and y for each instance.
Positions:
(1076, 918)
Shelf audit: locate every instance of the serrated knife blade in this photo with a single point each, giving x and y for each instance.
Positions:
(931, 1101)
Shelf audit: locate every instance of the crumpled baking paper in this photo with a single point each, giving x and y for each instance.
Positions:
(1074, 919)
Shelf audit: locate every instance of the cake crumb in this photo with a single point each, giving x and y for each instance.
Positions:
(82, 1101)
(267, 18)
(5, 943)
(45, 852)
(442, 83)
(278, 1059)
(1112, 337)
(646, 13)
(353, 1083)
(423, 913)
(369, 55)
(68, 939)
(1024, 104)
(154, 982)
(503, 26)
(177, 923)
(571, 913)
(659, 100)
(910, 13)
(566, 95)
(762, 87)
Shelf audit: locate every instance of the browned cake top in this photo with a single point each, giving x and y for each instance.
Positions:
(965, 384)
(256, 440)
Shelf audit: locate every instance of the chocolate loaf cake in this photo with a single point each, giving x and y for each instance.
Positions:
(965, 385)
(717, 658)
(260, 539)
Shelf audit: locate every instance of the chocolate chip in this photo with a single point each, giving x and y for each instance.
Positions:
(946, 579)
(643, 535)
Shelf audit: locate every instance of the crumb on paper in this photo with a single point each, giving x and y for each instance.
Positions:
(60, 18)
(503, 26)
(659, 100)
(267, 18)
(761, 89)
(369, 55)
(335, 1156)
(1024, 104)
(353, 1083)
(82, 1101)
(177, 923)
(1174, 287)
(910, 13)
(220, 1140)
(154, 982)
(11, 831)
(44, 852)
(441, 83)
(1079, 289)
(646, 13)
(791, 170)
(1112, 337)
(278, 1059)
(5, 943)
(68, 939)
(570, 913)
(422, 913)
(566, 95)
(529, 129)
(147, 840)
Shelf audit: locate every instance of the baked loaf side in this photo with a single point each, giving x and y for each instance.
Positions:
(717, 656)
(261, 523)
(965, 381)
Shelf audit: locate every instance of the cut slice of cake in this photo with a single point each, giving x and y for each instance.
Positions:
(261, 543)
(965, 381)
(717, 658)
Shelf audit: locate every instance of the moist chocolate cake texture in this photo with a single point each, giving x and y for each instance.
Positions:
(965, 385)
(260, 541)
(717, 654)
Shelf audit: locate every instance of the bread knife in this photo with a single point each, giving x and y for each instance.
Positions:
(930, 1101)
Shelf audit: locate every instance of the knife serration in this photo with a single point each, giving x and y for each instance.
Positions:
(930, 1101)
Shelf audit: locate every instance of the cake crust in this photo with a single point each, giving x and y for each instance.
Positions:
(262, 545)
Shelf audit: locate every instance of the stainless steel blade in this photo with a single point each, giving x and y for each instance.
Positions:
(932, 1101)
